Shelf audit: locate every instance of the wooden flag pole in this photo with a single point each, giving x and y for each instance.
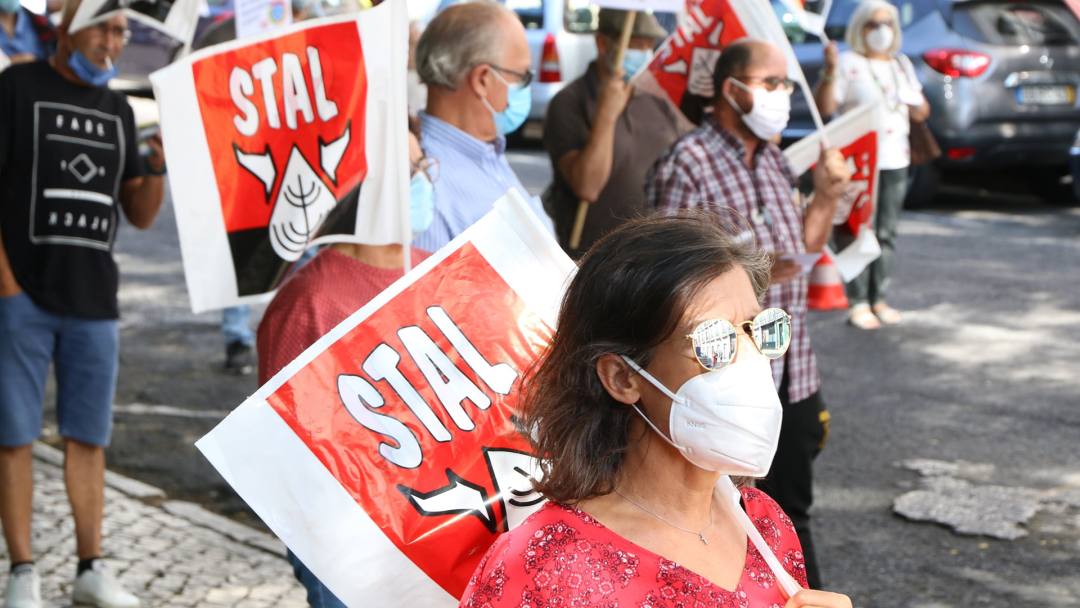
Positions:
(620, 51)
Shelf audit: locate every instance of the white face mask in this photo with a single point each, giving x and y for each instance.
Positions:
(880, 39)
(726, 420)
(770, 114)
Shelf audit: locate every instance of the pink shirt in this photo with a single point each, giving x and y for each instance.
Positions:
(313, 301)
(560, 556)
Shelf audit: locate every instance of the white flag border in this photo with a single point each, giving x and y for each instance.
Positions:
(82, 19)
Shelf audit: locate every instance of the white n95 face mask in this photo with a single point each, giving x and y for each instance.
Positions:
(770, 114)
(727, 420)
(880, 38)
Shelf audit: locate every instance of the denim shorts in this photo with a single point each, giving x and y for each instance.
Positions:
(84, 353)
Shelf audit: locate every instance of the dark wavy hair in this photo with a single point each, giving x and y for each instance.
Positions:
(629, 294)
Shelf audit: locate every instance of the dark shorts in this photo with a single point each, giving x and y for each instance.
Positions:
(85, 355)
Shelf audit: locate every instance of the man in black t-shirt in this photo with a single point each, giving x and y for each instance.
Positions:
(69, 165)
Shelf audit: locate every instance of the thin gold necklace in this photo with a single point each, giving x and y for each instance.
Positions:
(699, 533)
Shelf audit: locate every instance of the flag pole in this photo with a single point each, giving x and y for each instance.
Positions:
(620, 51)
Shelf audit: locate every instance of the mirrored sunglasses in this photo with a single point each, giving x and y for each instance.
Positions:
(716, 341)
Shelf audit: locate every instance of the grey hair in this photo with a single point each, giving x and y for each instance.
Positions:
(458, 39)
(862, 14)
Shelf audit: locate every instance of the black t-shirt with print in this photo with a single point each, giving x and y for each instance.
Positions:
(65, 150)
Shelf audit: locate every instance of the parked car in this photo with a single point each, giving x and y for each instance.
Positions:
(560, 34)
(1074, 167)
(1001, 77)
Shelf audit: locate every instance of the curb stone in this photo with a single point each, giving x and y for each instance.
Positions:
(190, 512)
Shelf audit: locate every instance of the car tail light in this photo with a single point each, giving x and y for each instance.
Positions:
(959, 153)
(549, 61)
(957, 63)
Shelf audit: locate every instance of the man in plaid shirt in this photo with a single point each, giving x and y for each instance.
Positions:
(731, 161)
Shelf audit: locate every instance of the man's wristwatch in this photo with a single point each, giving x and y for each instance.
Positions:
(155, 172)
(826, 76)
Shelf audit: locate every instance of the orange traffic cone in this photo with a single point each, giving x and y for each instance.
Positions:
(826, 286)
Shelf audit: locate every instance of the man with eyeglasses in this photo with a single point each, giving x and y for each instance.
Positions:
(732, 163)
(475, 61)
(69, 164)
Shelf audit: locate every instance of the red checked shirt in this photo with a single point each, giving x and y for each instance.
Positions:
(706, 169)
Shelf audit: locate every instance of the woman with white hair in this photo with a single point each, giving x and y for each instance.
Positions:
(875, 71)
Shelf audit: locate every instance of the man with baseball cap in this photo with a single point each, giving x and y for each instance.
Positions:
(603, 134)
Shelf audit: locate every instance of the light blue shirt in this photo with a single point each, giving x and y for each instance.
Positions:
(24, 40)
(473, 174)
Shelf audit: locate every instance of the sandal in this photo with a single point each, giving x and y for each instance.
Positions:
(887, 314)
(862, 317)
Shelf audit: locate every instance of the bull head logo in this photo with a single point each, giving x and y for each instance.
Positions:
(304, 198)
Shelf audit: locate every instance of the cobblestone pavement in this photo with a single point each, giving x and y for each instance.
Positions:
(169, 553)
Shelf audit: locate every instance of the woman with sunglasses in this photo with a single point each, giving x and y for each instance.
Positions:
(655, 393)
(875, 71)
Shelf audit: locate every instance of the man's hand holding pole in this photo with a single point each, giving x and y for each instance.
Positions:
(831, 178)
(615, 92)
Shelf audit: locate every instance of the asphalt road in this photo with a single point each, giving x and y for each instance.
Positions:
(982, 383)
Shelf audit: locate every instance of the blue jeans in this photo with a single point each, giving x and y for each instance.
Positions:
(318, 596)
(236, 325)
(85, 356)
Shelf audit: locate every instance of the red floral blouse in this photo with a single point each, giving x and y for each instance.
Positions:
(560, 556)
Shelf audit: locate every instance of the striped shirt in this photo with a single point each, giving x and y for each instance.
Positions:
(706, 169)
(473, 174)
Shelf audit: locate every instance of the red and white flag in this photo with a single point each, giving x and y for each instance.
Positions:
(682, 70)
(388, 456)
(291, 139)
(856, 135)
(175, 18)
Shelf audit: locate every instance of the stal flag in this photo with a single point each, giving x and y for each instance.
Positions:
(284, 141)
(176, 18)
(388, 456)
(856, 135)
(683, 67)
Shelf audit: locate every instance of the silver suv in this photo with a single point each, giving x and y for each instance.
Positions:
(1001, 76)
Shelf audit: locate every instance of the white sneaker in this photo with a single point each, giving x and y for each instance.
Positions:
(23, 588)
(97, 587)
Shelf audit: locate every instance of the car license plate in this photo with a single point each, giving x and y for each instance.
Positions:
(1046, 95)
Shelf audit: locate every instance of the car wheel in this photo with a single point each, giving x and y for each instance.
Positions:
(923, 182)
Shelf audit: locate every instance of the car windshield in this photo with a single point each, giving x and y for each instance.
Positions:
(531, 12)
(1017, 23)
(581, 17)
(840, 13)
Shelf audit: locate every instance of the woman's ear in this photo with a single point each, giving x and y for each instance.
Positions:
(619, 380)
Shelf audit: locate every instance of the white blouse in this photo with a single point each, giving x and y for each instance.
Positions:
(893, 84)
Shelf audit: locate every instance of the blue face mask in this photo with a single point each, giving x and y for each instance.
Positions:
(421, 202)
(635, 60)
(518, 105)
(9, 6)
(89, 72)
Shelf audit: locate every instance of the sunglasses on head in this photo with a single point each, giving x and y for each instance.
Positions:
(716, 341)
